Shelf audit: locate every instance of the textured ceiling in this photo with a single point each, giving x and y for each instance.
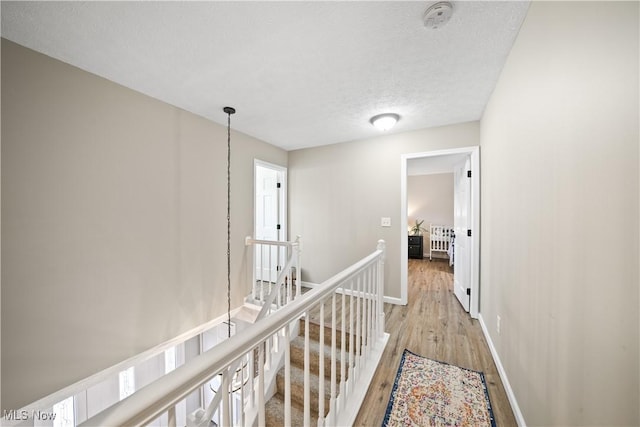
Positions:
(300, 73)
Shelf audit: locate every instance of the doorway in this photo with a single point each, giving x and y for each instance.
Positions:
(465, 164)
(270, 215)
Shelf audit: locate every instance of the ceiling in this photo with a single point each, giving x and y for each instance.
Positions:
(299, 73)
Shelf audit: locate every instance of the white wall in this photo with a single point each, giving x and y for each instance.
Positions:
(338, 193)
(559, 143)
(113, 222)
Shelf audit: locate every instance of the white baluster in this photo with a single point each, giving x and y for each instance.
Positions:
(267, 350)
(242, 390)
(275, 343)
(379, 302)
(371, 307)
(270, 279)
(321, 369)
(381, 260)
(351, 334)
(247, 242)
(298, 263)
(252, 394)
(261, 402)
(261, 273)
(332, 402)
(358, 329)
(373, 321)
(278, 297)
(374, 301)
(232, 405)
(172, 417)
(224, 389)
(365, 284)
(368, 330)
(287, 377)
(290, 285)
(343, 349)
(307, 390)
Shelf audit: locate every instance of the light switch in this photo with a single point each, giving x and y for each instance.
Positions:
(385, 222)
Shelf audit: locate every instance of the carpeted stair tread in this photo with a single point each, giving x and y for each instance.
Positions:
(314, 334)
(297, 388)
(274, 413)
(297, 356)
(275, 405)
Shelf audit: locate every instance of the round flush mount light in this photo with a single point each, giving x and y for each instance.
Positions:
(437, 14)
(384, 122)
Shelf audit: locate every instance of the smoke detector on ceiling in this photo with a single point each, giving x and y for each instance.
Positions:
(437, 14)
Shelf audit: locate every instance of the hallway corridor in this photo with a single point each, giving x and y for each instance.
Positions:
(434, 325)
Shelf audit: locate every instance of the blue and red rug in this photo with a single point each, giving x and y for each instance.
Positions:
(431, 393)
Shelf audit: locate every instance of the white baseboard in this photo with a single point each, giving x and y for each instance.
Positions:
(503, 375)
(390, 300)
(308, 284)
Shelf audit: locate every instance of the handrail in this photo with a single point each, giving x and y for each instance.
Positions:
(215, 402)
(249, 241)
(153, 400)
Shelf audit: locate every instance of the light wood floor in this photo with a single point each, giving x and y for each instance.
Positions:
(433, 325)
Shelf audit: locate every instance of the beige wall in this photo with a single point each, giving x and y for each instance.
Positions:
(430, 199)
(560, 215)
(338, 193)
(113, 222)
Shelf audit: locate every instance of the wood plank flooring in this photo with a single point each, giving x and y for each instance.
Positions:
(433, 325)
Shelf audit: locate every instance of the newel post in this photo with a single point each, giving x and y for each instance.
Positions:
(380, 283)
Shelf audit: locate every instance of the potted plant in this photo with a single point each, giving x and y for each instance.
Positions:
(417, 228)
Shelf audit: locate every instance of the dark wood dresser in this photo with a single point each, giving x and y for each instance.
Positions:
(415, 247)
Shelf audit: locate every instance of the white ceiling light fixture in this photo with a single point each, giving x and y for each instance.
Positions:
(437, 14)
(384, 122)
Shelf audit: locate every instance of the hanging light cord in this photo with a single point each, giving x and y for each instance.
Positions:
(229, 111)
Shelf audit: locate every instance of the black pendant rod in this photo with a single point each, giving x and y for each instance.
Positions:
(229, 111)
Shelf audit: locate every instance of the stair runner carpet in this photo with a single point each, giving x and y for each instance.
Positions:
(275, 406)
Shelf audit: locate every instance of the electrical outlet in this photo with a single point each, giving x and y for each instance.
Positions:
(385, 222)
(498, 319)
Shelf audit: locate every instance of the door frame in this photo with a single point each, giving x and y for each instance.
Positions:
(474, 274)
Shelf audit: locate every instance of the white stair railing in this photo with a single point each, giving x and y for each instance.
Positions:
(362, 282)
(281, 293)
(269, 260)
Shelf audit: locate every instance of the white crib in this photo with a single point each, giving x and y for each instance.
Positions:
(440, 237)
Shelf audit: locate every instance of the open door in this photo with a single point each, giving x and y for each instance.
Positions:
(270, 211)
(462, 229)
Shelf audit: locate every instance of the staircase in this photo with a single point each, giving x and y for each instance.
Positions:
(275, 406)
(352, 299)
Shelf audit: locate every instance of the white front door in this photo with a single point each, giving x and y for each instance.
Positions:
(462, 224)
(269, 218)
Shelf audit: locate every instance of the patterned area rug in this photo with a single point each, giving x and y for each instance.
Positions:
(431, 393)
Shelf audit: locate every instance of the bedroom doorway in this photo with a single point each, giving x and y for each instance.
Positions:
(464, 165)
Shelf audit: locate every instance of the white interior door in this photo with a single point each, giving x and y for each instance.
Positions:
(269, 218)
(266, 204)
(461, 221)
